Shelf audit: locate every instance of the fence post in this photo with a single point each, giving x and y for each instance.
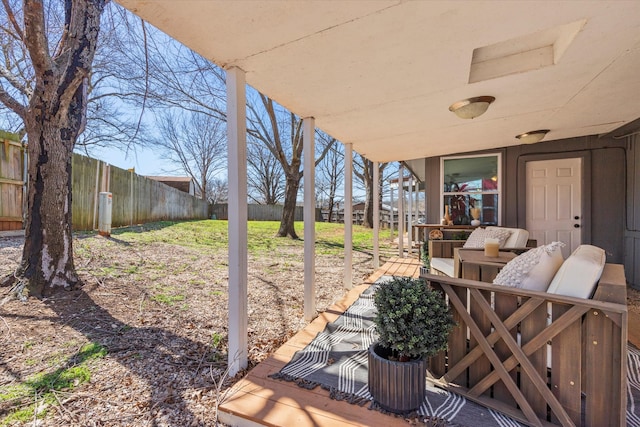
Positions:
(95, 197)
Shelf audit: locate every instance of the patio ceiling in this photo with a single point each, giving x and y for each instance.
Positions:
(382, 74)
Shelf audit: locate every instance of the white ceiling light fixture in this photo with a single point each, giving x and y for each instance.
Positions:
(472, 107)
(533, 136)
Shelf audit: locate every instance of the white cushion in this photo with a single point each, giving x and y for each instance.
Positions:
(477, 237)
(517, 239)
(443, 265)
(580, 273)
(533, 269)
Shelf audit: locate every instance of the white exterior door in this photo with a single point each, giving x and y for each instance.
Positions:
(554, 202)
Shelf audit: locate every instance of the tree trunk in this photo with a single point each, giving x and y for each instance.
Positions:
(331, 206)
(368, 205)
(55, 117)
(287, 227)
(47, 259)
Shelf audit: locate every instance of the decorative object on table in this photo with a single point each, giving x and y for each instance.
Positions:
(491, 247)
(446, 220)
(435, 235)
(413, 322)
(475, 214)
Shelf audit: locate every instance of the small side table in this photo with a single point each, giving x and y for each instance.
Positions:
(476, 266)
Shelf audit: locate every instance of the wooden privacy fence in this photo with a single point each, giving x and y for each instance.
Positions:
(12, 161)
(136, 199)
(260, 212)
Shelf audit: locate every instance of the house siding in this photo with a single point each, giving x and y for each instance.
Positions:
(610, 178)
(632, 231)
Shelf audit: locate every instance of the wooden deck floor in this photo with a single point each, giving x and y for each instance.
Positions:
(258, 400)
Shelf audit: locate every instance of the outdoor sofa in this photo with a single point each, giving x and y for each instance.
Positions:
(543, 357)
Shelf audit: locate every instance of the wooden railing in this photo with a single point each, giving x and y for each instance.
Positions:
(539, 358)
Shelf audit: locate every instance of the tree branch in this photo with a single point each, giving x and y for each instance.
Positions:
(12, 104)
(36, 37)
(13, 81)
(12, 19)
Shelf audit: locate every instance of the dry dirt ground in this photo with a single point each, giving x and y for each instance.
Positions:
(159, 311)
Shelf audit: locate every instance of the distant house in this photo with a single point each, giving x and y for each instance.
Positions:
(182, 183)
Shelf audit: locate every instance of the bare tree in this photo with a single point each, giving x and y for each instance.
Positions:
(281, 133)
(265, 175)
(218, 191)
(53, 109)
(197, 143)
(109, 121)
(363, 170)
(330, 173)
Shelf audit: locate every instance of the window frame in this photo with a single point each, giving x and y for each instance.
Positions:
(497, 192)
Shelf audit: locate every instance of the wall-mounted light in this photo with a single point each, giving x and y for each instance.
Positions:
(533, 136)
(472, 107)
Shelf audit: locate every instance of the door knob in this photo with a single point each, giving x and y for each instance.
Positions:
(576, 225)
(576, 217)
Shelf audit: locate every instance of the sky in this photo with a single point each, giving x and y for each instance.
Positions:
(144, 160)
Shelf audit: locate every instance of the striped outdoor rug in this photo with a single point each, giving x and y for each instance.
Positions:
(336, 360)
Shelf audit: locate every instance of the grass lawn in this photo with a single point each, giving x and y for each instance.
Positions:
(261, 236)
(148, 328)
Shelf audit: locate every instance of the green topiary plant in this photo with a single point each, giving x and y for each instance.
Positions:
(413, 320)
(424, 254)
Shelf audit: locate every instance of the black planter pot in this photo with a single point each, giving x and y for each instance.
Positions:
(397, 387)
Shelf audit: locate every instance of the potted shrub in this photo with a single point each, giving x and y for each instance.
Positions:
(413, 322)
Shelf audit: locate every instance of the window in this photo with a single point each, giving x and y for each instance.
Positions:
(471, 186)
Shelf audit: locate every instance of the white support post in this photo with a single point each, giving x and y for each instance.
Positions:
(237, 170)
(401, 211)
(376, 215)
(392, 213)
(348, 215)
(308, 136)
(410, 216)
(417, 201)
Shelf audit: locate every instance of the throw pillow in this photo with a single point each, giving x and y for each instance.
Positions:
(580, 273)
(476, 238)
(533, 270)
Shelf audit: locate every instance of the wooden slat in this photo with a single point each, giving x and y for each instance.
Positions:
(529, 329)
(505, 306)
(603, 372)
(11, 181)
(458, 341)
(481, 367)
(566, 366)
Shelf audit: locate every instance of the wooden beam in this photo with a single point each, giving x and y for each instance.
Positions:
(11, 181)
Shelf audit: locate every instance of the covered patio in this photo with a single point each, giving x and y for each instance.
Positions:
(383, 77)
(258, 399)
